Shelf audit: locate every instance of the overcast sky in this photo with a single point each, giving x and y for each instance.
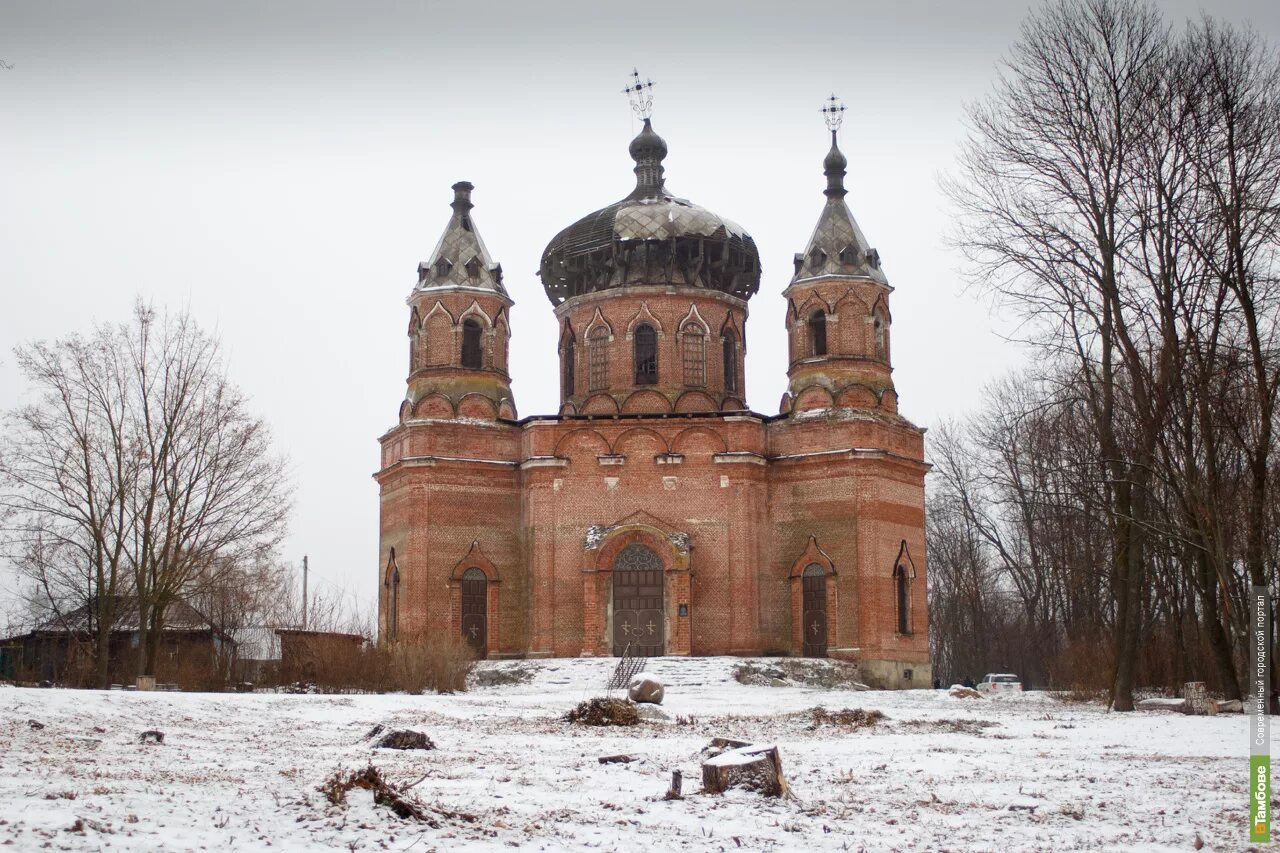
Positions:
(281, 168)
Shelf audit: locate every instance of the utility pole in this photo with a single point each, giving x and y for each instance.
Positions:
(304, 592)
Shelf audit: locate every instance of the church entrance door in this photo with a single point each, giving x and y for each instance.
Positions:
(813, 611)
(475, 611)
(638, 623)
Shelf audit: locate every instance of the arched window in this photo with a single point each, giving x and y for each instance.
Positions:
(729, 345)
(568, 379)
(646, 346)
(902, 587)
(598, 358)
(818, 332)
(695, 355)
(880, 338)
(393, 597)
(471, 354)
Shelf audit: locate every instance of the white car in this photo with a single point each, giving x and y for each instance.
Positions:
(1000, 682)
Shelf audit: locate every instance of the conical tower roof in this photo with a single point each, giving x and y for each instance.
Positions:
(460, 258)
(838, 246)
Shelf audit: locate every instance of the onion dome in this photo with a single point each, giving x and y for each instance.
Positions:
(838, 246)
(650, 237)
(460, 258)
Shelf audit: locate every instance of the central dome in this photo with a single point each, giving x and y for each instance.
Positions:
(650, 237)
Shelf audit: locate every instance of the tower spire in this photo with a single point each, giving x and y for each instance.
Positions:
(648, 149)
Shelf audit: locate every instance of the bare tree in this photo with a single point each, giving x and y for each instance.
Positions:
(67, 469)
(1046, 197)
(211, 496)
(138, 470)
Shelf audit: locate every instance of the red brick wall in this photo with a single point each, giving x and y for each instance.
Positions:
(733, 504)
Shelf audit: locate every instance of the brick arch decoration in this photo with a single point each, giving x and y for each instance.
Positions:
(475, 558)
(814, 555)
(602, 545)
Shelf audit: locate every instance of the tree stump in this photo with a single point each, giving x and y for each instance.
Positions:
(754, 768)
(1196, 699)
(673, 793)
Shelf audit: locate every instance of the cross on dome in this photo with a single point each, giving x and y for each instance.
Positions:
(640, 95)
(833, 112)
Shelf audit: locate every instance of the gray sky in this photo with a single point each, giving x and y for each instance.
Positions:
(280, 168)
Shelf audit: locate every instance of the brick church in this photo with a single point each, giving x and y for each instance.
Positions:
(656, 513)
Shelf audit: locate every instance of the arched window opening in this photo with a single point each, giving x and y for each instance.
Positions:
(598, 359)
(880, 338)
(471, 353)
(902, 585)
(646, 353)
(393, 598)
(568, 356)
(695, 356)
(729, 345)
(818, 332)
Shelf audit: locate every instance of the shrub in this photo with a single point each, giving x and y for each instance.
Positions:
(439, 664)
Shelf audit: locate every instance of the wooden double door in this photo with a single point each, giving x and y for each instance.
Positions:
(639, 623)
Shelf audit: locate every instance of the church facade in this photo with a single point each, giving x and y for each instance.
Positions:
(656, 513)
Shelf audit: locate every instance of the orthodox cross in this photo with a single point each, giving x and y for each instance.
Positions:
(833, 112)
(640, 95)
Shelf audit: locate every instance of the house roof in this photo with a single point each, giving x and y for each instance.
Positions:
(178, 616)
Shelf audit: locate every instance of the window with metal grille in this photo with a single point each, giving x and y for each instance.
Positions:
(818, 332)
(646, 352)
(598, 359)
(695, 355)
(471, 354)
(729, 343)
(569, 355)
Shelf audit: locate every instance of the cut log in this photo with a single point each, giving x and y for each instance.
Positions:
(615, 759)
(754, 768)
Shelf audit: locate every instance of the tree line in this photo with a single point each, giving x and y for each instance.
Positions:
(1099, 521)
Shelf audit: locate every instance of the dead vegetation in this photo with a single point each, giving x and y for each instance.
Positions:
(441, 665)
(604, 711)
(961, 727)
(404, 739)
(405, 806)
(848, 718)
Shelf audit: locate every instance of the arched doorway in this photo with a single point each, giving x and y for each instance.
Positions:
(813, 610)
(638, 619)
(475, 604)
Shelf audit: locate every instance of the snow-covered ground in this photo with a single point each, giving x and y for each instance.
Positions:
(241, 771)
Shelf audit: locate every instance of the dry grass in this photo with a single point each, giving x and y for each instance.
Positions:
(849, 718)
(441, 664)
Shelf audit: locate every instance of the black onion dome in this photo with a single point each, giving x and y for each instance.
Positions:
(650, 237)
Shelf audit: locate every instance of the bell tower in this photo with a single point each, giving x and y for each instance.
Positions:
(838, 306)
(459, 327)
